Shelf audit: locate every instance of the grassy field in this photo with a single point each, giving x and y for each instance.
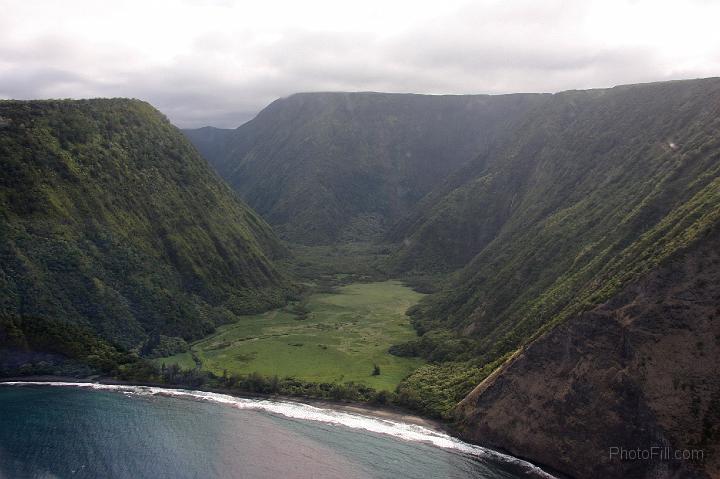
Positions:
(343, 336)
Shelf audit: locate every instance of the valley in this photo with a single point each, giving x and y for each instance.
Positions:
(327, 338)
(450, 255)
(273, 239)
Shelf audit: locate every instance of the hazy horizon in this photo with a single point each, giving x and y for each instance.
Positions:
(230, 127)
(219, 62)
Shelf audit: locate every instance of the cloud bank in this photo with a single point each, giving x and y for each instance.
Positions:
(218, 62)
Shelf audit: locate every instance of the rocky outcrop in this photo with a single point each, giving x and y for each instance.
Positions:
(637, 372)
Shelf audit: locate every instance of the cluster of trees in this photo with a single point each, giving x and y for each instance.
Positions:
(161, 346)
(300, 310)
(45, 346)
(435, 389)
(438, 345)
(253, 383)
(257, 383)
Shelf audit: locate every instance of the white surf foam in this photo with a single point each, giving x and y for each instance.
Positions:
(307, 412)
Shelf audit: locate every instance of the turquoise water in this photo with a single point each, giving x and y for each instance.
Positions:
(132, 432)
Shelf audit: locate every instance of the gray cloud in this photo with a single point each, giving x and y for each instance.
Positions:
(224, 77)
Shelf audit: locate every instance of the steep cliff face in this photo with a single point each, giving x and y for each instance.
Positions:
(599, 189)
(638, 371)
(577, 168)
(110, 219)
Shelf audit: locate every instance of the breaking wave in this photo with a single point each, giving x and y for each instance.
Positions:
(307, 412)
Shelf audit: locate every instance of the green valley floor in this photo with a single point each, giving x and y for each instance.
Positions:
(333, 338)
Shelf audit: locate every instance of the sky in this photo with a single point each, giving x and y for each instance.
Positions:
(219, 62)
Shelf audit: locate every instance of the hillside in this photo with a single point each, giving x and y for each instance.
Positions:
(111, 220)
(329, 167)
(596, 188)
(637, 371)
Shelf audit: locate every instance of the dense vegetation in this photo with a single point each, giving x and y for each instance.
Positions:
(44, 346)
(329, 167)
(111, 220)
(595, 189)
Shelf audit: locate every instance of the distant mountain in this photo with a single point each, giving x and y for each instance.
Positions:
(211, 142)
(111, 220)
(328, 167)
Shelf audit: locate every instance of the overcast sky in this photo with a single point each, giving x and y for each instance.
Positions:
(218, 62)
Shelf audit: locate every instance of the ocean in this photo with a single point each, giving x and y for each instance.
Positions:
(64, 430)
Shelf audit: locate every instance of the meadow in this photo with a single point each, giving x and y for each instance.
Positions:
(329, 338)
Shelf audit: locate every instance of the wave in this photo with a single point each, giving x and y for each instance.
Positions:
(307, 412)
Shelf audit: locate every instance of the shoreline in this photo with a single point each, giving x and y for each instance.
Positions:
(387, 412)
(379, 412)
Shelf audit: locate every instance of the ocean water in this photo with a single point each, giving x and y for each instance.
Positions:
(102, 431)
